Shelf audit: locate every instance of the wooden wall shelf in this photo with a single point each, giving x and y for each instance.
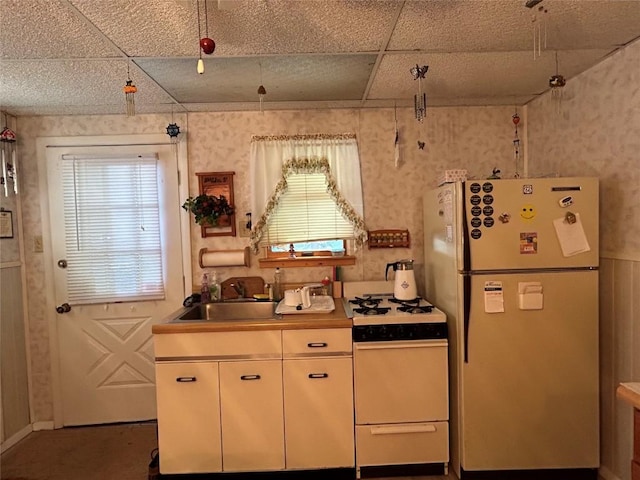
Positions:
(389, 239)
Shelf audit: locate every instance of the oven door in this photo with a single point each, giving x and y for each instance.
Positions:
(400, 381)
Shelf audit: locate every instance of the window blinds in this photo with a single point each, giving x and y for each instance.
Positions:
(306, 212)
(112, 229)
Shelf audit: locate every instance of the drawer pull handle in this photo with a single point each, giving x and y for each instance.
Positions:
(318, 375)
(250, 377)
(317, 345)
(408, 429)
(185, 379)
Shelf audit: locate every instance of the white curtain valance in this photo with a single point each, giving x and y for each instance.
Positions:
(273, 158)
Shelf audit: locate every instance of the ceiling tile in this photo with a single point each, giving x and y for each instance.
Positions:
(48, 29)
(286, 78)
(463, 76)
(74, 83)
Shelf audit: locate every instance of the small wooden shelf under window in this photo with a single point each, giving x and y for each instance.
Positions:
(389, 238)
(312, 261)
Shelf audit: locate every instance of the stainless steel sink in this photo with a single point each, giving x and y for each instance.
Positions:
(229, 311)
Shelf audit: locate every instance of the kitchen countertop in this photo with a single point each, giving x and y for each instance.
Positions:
(629, 392)
(335, 319)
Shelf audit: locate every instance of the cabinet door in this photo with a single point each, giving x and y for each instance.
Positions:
(188, 417)
(318, 404)
(252, 417)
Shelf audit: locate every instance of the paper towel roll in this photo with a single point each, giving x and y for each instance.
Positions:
(224, 258)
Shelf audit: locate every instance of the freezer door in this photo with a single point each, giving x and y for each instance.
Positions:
(529, 391)
(532, 223)
(442, 240)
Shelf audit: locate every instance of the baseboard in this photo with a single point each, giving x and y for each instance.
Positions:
(607, 474)
(37, 426)
(15, 438)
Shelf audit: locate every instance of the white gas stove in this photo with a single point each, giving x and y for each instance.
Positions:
(400, 382)
(373, 303)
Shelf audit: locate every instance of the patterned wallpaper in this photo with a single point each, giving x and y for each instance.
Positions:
(594, 130)
(572, 142)
(477, 139)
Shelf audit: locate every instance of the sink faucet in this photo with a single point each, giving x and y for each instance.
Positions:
(239, 288)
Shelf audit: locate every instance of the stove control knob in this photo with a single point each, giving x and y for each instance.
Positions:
(383, 331)
(370, 332)
(411, 332)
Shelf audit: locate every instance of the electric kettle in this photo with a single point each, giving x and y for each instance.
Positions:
(404, 287)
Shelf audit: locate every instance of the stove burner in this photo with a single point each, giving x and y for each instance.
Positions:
(416, 308)
(372, 310)
(414, 302)
(368, 302)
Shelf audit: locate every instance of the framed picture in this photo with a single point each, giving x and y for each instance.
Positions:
(219, 183)
(6, 224)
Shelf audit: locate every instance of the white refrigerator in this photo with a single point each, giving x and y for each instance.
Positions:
(514, 265)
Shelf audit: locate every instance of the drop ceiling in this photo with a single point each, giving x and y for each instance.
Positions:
(72, 57)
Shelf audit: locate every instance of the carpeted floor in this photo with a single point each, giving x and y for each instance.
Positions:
(108, 452)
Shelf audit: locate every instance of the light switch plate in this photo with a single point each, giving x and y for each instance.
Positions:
(243, 231)
(37, 244)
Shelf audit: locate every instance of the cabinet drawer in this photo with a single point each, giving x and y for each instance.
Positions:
(402, 443)
(218, 345)
(316, 342)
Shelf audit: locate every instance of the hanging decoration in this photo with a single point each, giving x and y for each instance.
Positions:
(129, 93)
(261, 90)
(173, 130)
(396, 142)
(516, 142)
(206, 44)
(557, 83)
(539, 27)
(9, 179)
(420, 98)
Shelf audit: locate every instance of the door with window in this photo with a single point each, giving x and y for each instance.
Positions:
(117, 255)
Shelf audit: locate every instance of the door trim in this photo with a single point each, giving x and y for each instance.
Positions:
(97, 140)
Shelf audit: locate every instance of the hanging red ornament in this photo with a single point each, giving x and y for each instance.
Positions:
(207, 45)
(516, 119)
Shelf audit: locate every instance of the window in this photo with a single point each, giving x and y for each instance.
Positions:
(318, 248)
(112, 226)
(306, 189)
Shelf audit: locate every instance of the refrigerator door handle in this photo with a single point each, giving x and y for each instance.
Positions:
(466, 282)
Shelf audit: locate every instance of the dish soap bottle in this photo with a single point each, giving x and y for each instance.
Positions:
(277, 285)
(205, 293)
(214, 288)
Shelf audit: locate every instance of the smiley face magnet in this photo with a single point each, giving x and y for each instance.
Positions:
(528, 212)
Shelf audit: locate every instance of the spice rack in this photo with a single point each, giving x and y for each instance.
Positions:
(389, 239)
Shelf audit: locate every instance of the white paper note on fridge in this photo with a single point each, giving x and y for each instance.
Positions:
(571, 236)
(493, 297)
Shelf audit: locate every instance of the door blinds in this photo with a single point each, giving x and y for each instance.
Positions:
(112, 228)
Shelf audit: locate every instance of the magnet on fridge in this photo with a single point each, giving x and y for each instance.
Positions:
(564, 202)
(570, 218)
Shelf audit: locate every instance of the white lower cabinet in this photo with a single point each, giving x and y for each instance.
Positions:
(233, 402)
(188, 417)
(252, 417)
(318, 405)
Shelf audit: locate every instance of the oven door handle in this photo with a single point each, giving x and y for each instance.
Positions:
(391, 430)
(399, 344)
